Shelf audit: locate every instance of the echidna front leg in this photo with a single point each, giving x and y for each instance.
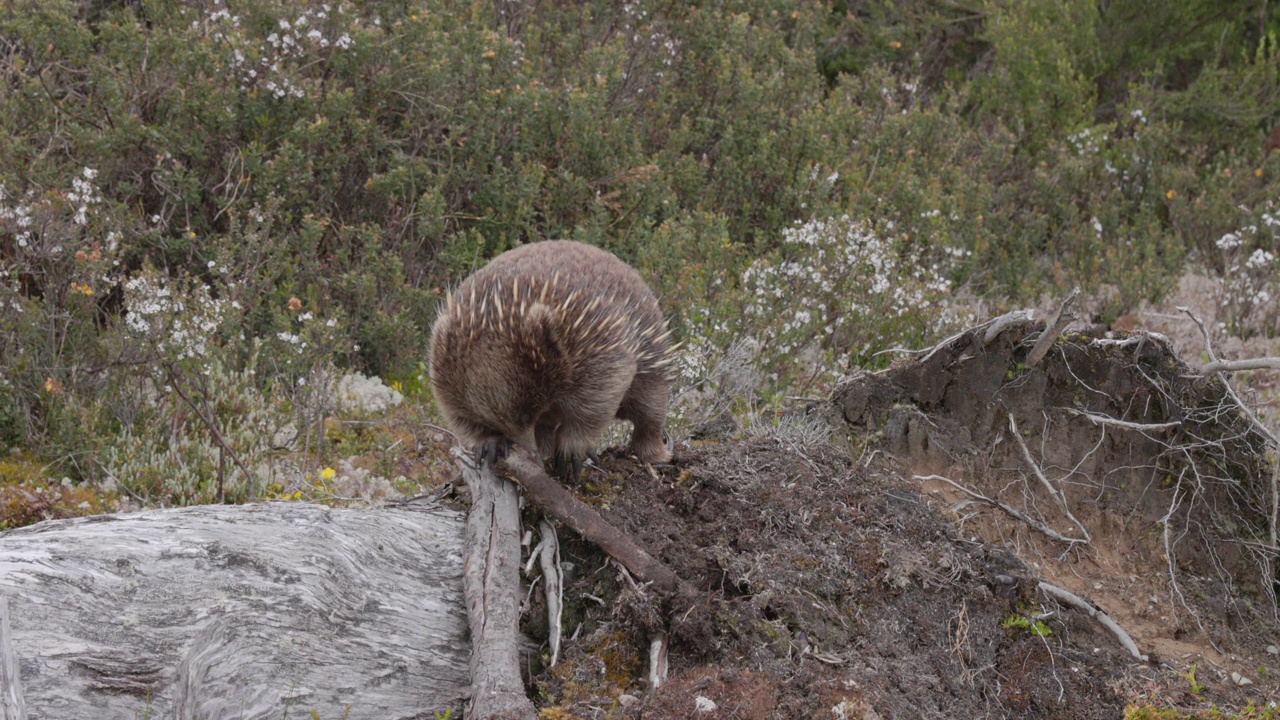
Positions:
(492, 450)
(646, 407)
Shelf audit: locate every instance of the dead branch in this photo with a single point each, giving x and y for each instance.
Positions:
(658, 645)
(1266, 363)
(1061, 320)
(993, 328)
(1053, 491)
(1017, 317)
(550, 497)
(549, 561)
(491, 584)
(1081, 604)
(1099, 419)
(1017, 514)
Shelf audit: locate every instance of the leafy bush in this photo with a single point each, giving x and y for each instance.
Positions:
(312, 176)
(846, 290)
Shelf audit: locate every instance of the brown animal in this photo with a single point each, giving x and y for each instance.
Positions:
(544, 346)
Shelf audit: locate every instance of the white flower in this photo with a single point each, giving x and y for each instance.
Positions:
(1259, 259)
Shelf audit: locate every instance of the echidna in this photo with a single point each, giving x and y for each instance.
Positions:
(544, 346)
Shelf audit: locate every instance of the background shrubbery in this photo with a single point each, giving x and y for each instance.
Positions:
(207, 200)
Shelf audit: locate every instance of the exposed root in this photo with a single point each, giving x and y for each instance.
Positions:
(1053, 491)
(1081, 604)
(1013, 512)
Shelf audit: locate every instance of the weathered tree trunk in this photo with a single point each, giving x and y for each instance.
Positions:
(254, 611)
(492, 584)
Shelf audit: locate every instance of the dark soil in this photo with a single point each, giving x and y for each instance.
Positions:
(836, 588)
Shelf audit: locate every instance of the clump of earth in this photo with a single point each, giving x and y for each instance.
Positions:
(882, 574)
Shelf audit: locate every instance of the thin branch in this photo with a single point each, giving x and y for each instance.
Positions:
(1053, 491)
(1016, 317)
(1061, 320)
(1099, 419)
(1015, 513)
(1080, 603)
(1265, 363)
(213, 430)
(551, 497)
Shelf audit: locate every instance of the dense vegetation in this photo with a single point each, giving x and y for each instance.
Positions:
(212, 209)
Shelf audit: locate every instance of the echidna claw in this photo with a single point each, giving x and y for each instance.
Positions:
(493, 450)
(568, 466)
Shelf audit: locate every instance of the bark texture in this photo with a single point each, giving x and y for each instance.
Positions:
(254, 611)
(492, 585)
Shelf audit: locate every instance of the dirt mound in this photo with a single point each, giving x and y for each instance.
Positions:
(843, 588)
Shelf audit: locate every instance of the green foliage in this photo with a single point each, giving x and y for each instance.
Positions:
(1027, 625)
(1045, 55)
(1194, 688)
(276, 161)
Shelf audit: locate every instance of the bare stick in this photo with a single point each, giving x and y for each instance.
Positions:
(1051, 331)
(549, 561)
(1017, 317)
(1266, 363)
(1053, 491)
(1081, 604)
(550, 497)
(11, 704)
(207, 419)
(491, 584)
(1018, 514)
(1099, 419)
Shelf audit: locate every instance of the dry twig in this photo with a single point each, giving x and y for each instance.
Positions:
(1099, 419)
(1061, 320)
(1015, 513)
(1081, 604)
(1053, 491)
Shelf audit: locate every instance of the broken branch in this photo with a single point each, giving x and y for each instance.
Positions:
(1053, 491)
(491, 584)
(1266, 363)
(1017, 514)
(1061, 320)
(1099, 419)
(1081, 604)
(550, 497)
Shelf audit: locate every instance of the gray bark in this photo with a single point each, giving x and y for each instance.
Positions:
(492, 585)
(255, 611)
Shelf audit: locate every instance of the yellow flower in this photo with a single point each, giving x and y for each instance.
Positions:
(895, 45)
(297, 495)
(328, 473)
(1170, 194)
(1258, 172)
(51, 386)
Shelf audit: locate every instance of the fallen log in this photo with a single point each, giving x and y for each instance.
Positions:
(252, 611)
